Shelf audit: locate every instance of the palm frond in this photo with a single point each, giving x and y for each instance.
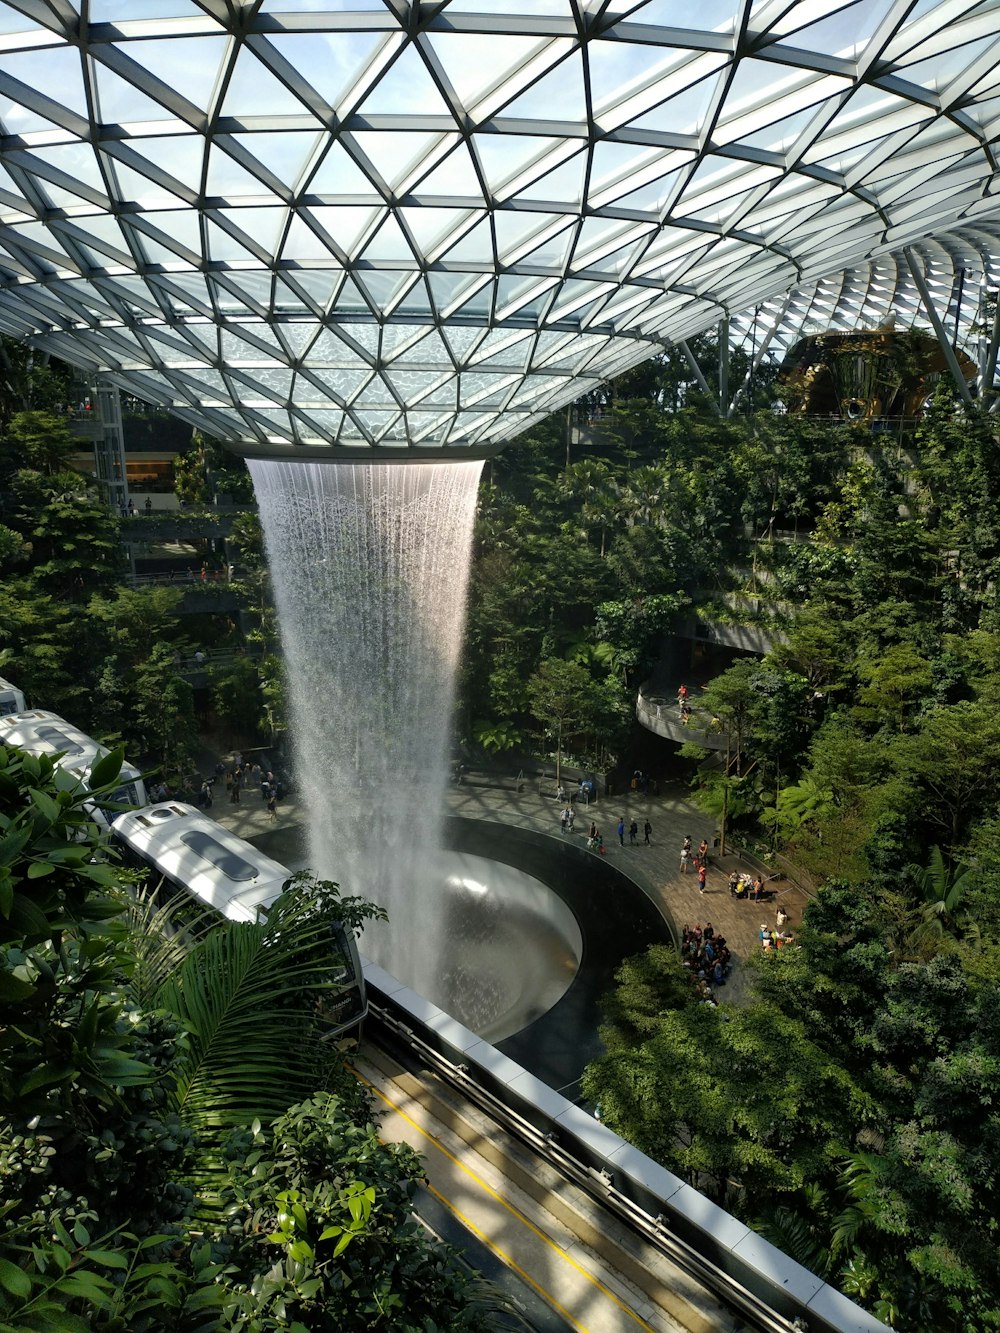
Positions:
(158, 944)
(248, 996)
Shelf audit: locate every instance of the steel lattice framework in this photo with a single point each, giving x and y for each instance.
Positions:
(364, 225)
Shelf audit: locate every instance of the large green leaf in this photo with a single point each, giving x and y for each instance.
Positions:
(247, 995)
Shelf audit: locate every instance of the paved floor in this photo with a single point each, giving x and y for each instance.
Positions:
(655, 867)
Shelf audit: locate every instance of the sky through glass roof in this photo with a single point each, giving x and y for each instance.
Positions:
(363, 226)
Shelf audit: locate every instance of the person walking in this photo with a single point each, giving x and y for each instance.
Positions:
(647, 829)
(564, 820)
(702, 874)
(621, 829)
(272, 806)
(633, 832)
(685, 858)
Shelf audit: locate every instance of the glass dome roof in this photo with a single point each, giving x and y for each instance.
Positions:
(364, 226)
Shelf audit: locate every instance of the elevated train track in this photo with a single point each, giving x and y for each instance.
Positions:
(597, 1236)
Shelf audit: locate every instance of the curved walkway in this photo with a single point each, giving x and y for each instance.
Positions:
(655, 868)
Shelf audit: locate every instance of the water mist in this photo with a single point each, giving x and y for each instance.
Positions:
(370, 566)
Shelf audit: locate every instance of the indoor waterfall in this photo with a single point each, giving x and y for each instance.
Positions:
(369, 566)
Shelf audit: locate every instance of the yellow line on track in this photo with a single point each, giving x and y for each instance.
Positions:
(514, 1212)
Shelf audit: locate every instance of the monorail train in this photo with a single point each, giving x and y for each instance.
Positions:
(39, 732)
(12, 699)
(217, 870)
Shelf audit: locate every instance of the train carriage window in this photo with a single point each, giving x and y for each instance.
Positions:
(221, 857)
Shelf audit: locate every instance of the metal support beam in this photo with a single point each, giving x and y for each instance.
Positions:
(697, 372)
(943, 342)
(760, 353)
(724, 367)
(990, 365)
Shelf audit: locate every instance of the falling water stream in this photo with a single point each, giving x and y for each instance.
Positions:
(369, 565)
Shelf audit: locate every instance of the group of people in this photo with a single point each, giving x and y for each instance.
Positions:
(633, 831)
(705, 955)
(746, 886)
(595, 839)
(240, 777)
(699, 860)
(776, 937)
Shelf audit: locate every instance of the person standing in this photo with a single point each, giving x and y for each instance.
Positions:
(633, 832)
(592, 835)
(621, 829)
(272, 806)
(564, 820)
(702, 874)
(685, 858)
(647, 829)
(703, 852)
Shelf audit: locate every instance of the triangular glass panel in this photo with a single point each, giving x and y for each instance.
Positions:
(706, 16)
(179, 156)
(388, 244)
(475, 247)
(506, 156)
(148, 194)
(262, 225)
(624, 77)
(229, 180)
(782, 136)
(430, 227)
(557, 95)
(938, 71)
(283, 153)
(102, 228)
(415, 302)
(333, 351)
(255, 91)
(473, 64)
(446, 288)
(122, 103)
(317, 284)
(478, 303)
(302, 243)
(338, 173)
(550, 253)
(381, 285)
(192, 287)
(405, 89)
(18, 119)
(564, 185)
(195, 78)
(224, 248)
(158, 253)
(331, 62)
(514, 228)
(351, 300)
(78, 163)
(340, 384)
(684, 113)
(298, 337)
(181, 227)
(394, 154)
(845, 33)
(345, 226)
(455, 176)
(53, 71)
(653, 199)
(462, 340)
(430, 350)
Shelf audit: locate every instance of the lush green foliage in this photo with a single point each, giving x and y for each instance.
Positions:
(140, 1190)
